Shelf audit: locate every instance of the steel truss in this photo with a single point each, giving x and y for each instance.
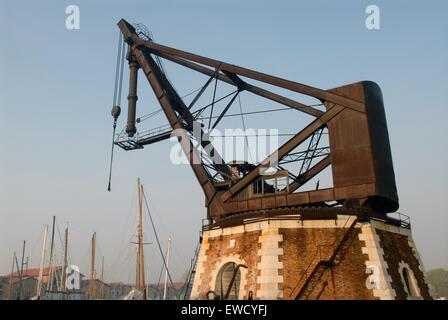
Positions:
(211, 172)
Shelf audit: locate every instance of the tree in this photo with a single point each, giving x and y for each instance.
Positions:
(438, 279)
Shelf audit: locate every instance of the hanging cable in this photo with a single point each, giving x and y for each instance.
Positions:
(116, 110)
(123, 50)
(117, 68)
(157, 239)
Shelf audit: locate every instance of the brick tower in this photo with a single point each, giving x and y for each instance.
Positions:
(341, 256)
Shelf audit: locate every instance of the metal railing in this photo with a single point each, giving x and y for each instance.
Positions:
(154, 131)
(400, 219)
(128, 143)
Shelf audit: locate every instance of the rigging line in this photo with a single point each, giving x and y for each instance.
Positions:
(179, 255)
(189, 94)
(196, 98)
(250, 112)
(149, 115)
(160, 278)
(152, 114)
(157, 239)
(36, 243)
(198, 112)
(117, 100)
(224, 111)
(124, 244)
(213, 103)
(59, 257)
(121, 71)
(244, 128)
(175, 253)
(112, 154)
(117, 68)
(252, 135)
(59, 235)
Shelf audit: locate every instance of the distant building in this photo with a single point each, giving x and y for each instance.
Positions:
(24, 291)
(58, 295)
(172, 293)
(101, 290)
(3, 286)
(12, 288)
(96, 289)
(119, 290)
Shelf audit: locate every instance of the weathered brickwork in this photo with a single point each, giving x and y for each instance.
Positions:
(281, 254)
(304, 247)
(245, 248)
(396, 249)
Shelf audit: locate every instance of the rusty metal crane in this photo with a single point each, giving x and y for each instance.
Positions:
(358, 152)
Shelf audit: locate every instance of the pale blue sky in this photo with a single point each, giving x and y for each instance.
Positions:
(56, 94)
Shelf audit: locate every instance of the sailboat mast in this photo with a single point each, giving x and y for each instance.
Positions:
(92, 268)
(42, 261)
(140, 240)
(11, 278)
(21, 267)
(64, 287)
(23, 257)
(102, 279)
(50, 272)
(137, 257)
(167, 257)
(20, 277)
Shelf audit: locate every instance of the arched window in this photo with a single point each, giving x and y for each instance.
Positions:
(228, 281)
(409, 281)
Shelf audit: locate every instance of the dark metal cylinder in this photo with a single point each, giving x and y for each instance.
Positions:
(132, 97)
